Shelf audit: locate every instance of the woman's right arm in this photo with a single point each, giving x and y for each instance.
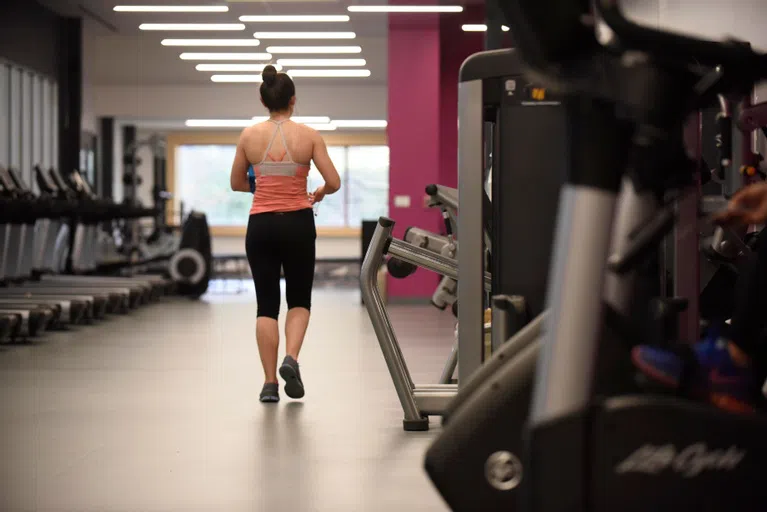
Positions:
(325, 165)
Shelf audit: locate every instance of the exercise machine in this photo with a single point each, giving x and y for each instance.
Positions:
(592, 441)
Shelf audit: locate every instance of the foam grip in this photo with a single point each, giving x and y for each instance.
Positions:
(400, 269)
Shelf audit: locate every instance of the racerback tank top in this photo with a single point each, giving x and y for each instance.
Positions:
(280, 182)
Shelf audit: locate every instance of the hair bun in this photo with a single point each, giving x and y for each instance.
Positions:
(269, 74)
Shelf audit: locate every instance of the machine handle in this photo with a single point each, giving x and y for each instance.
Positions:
(643, 241)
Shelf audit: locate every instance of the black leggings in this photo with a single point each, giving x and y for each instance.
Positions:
(281, 241)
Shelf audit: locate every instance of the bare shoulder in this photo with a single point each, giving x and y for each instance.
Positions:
(309, 132)
(247, 133)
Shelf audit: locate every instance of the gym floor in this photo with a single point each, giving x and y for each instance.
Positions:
(158, 411)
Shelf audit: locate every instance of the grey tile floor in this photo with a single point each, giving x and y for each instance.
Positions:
(158, 411)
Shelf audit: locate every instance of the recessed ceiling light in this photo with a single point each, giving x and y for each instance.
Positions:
(405, 8)
(304, 35)
(480, 28)
(236, 78)
(226, 56)
(322, 62)
(298, 119)
(329, 73)
(295, 18)
(356, 123)
(191, 26)
(171, 8)
(314, 49)
(211, 42)
(234, 67)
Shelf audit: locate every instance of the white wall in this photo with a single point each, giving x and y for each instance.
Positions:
(233, 101)
(741, 19)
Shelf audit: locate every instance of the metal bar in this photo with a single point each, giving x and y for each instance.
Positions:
(470, 232)
(450, 365)
(502, 314)
(432, 402)
(423, 258)
(429, 260)
(403, 383)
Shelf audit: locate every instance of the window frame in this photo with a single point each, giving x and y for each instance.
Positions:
(204, 138)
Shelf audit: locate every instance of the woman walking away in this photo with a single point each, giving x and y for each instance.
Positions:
(281, 232)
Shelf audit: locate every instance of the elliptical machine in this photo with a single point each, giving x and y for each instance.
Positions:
(592, 440)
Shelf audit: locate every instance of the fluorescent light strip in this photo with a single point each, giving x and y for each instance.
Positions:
(218, 123)
(298, 119)
(405, 8)
(313, 49)
(305, 35)
(211, 42)
(234, 67)
(236, 78)
(295, 18)
(480, 28)
(322, 127)
(322, 123)
(322, 62)
(191, 26)
(296, 73)
(355, 123)
(171, 8)
(329, 73)
(226, 56)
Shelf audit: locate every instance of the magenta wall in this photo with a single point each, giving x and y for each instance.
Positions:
(425, 54)
(413, 132)
(455, 45)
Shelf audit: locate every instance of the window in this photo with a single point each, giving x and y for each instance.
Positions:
(202, 183)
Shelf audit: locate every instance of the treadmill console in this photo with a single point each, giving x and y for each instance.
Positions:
(44, 181)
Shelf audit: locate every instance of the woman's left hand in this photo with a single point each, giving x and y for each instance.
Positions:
(317, 196)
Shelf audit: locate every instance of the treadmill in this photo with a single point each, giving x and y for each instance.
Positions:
(18, 234)
(114, 291)
(83, 252)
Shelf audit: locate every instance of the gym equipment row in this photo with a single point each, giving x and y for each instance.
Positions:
(49, 244)
(557, 407)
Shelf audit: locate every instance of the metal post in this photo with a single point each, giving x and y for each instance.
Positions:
(403, 383)
(450, 366)
(494, 21)
(470, 232)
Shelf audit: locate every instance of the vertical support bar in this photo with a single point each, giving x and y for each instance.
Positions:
(452, 363)
(70, 94)
(686, 243)
(48, 158)
(494, 21)
(27, 135)
(106, 165)
(504, 313)
(128, 156)
(470, 229)
(597, 156)
(5, 106)
(376, 308)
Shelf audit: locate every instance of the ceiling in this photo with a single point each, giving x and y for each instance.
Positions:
(143, 60)
(118, 55)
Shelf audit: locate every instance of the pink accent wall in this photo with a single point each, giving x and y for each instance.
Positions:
(456, 46)
(425, 55)
(413, 132)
